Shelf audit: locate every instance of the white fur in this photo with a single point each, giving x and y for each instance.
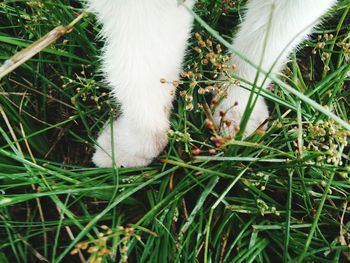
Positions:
(146, 41)
(270, 31)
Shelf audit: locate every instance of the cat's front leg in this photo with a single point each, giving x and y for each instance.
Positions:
(145, 42)
(270, 31)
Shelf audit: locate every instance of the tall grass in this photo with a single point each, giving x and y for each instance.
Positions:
(281, 195)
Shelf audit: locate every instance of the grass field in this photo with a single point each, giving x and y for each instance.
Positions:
(279, 196)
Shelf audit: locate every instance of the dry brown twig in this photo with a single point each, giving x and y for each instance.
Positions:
(29, 52)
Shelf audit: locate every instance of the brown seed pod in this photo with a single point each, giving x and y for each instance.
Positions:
(212, 151)
(209, 124)
(196, 151)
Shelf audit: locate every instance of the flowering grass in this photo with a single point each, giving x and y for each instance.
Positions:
(281, 195)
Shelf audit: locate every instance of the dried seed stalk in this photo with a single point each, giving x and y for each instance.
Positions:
(29, 52)
(210, 117)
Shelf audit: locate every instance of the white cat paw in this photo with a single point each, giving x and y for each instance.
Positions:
(229, 113)
(131, 147)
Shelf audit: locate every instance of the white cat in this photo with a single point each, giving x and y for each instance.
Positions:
(146, 41)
